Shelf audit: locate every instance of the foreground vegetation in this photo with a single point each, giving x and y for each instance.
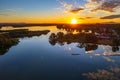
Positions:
(10, 38)
(26, 33)
(6, 42)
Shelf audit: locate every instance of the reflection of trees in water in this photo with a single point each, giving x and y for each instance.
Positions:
(89, 41)
(115, 48)
(70, 38)
(88, 46)
(91, 47)
(105, 34)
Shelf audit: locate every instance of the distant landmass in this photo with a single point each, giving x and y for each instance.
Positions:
(57, 24)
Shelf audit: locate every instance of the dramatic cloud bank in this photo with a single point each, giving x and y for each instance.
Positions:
(111, 17)
(94, 5)
(110, 9)
(106, 5)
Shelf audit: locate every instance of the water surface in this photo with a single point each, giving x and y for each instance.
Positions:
(60, 55)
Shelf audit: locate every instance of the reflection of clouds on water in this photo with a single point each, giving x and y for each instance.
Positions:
(93, 53)
(107, 48)
(70, 47)
(115, 70)
(99, 50)
(111, 74)
(109, 52)
(109, 59)
(89, 52)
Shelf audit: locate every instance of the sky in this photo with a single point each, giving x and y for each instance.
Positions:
(60, 11)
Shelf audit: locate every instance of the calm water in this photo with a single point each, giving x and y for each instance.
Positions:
(47, 58)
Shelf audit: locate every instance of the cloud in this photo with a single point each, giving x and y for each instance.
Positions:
(111, 17)
(92, 7)
(105, 5)
(89, 17)
(76, 10)
(66, 5)
(85, 18)
(70, 7)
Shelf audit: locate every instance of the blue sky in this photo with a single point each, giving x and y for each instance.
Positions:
(29, 4)
(37, 10)
(42, 5)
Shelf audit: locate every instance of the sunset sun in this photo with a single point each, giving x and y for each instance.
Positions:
(74, 21)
